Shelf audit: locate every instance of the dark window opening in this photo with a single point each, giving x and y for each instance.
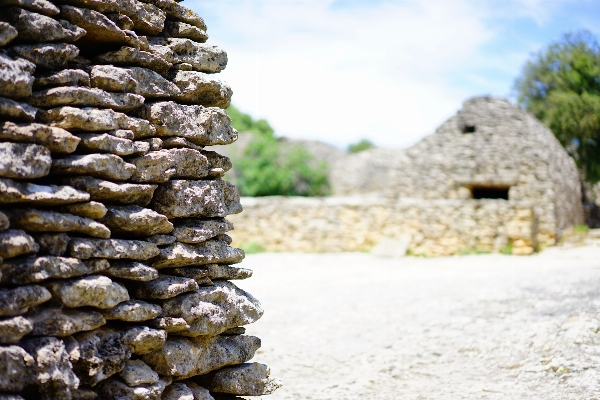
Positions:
(468, 129)
(486, 192)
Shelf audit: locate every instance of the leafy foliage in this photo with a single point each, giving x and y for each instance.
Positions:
(266, 168)
(361, 145)
(561, 87)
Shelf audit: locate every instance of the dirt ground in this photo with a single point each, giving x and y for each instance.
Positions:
(354, 326)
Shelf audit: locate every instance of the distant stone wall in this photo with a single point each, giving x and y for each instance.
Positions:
(434, 227)
(115, 266)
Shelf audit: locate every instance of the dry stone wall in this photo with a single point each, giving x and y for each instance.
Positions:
(116, 267)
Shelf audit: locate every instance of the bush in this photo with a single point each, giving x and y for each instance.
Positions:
(361, 145)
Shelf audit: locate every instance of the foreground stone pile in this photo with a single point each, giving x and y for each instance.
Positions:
(115, 274)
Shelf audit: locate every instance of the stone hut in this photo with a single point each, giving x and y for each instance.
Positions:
(490, 178)
(116, 270)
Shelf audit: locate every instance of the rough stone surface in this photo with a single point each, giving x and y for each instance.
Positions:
(16, 77)
(24, 161)
(112, 79)
(34, 27)
(202, 57)
(92, 209)
(106, 166)
(40, 6)
(56, 140)
(212, 310)
(115, 389)
(133, 311)
(54, 244)
(106, 143)
(85, 97)
(112, 249)
(209, 252)
(200, 88)
(33, 220)
(13, 329)
(163, 287)
(183, 30)
(193, 230)
(17, 301)
(152, 85)
(46, 55)
(37, 269)
(137, 372)
(220, 271)
(94, 290)
(182, 358)
(12, 192)
(178, 391)
(182, 198)
(200, 275)
(249, 379)
(131, 270)
(160, 166)
(161, 240)
(14, 110)
(132, 56)
(136, 221)
(65, 77)
(15, 243)
(60, 322)
(142, 340)
(201, 125)
(179, 12)
(110, 192)
(15, 368)
(4, 222)
(199, 392)
(7, 33)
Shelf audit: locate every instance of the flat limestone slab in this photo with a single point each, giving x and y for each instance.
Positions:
(12, 192)
(248, 379)
(112, 249)
(84, 97)
(36, 269)
(34, 220)
(105, 166)
(16, 77)
(46, 55)
(111, 192)
(17, 301)
(56, 140)
(94, 291)
(209, 252)
(61, 322)
(15, 242)
(136, 221)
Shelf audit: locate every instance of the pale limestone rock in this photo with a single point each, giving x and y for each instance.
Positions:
(175, 142)
(33, 220)
(205, 126)
(107, 166)
(211, 310)
(54, 376)
(47, 55)
(106, 143)
(110, 192)
(146, 18)
(65, 77)
(161, 240)
(12, 192)
(54, 139)
(131, 270)
(209, 252)
(133, 311)
(199, 392)
(102, 354)
(141, 147)
(182, 30)
(14, 110)
(224, 238)
(143, 340)
(16, 77)
(54, 244)
(7, 33)
(152, 85)
(37, 269)
(115, 389)
(160, 166)
(34, 27)
(95, 120)
(137, 372)
(112, 249)
(163, 287)
(15, 243)
(179, 13)
(181, 198)
(94, 291)
(178, 391)
(40, 6)
(13, 329)
(123, 134)
(249, 379)
(18, 300)
(129, 56)
(183, 358)
(220, 271)
(4, 222)
(201, 88)
(200, 275)
(113, 79)
(16, 369)
(84, 97)
(92, 209)
(201, 56)
(122, 21)
(195, 230)
(217, 161)
(61, 322)
(136, 221)
(24, 161)
(155, 143)
(169, 324)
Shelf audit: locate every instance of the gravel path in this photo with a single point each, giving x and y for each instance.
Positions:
(353, 326)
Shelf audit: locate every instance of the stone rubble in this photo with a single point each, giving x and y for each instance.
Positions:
(114, 258)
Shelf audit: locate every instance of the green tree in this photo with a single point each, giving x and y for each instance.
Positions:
(361, 145)
(265, 168)
(561, 87)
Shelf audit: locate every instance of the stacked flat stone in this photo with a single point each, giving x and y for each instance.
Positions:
(116, 269)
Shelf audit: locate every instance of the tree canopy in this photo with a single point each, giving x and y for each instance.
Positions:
(266, 168)
(561, 86)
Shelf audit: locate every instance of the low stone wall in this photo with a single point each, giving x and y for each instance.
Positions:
(434, 227)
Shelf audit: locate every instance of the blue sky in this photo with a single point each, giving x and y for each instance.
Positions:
(389, 71)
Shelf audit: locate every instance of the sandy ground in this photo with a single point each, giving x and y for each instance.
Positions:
(353, 326)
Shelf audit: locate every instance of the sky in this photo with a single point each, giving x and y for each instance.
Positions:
(389, 71)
